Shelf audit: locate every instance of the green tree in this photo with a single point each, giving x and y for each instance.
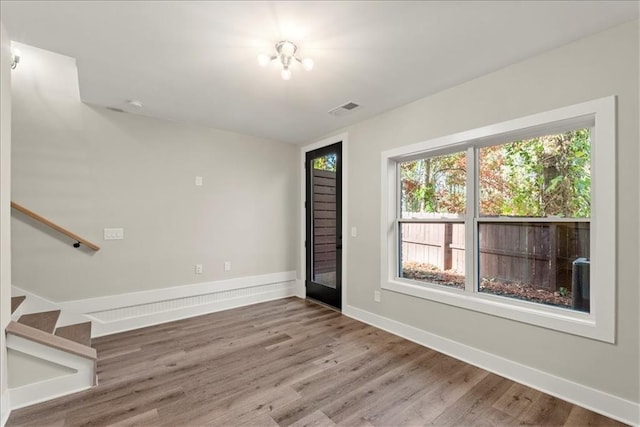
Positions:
(434, 184)
(538, 177)
(326, 163)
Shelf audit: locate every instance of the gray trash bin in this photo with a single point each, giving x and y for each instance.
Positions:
(580, 286)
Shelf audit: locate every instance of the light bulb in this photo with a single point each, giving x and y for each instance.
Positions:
(288, 49)
(264, 59)
(307, 64)
(15, 58)
(285, 74)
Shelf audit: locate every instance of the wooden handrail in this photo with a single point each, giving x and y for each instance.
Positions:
(56, 227)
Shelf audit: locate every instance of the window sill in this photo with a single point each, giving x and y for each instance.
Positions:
(555, 318)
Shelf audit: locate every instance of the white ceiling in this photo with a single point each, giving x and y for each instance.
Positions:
(196, 61)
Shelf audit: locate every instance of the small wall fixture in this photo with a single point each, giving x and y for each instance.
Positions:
(15, 58)
(286, 54)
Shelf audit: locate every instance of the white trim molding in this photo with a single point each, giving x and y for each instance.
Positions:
(598, 401)
(123, 312)
(5, 407)
(301, 291)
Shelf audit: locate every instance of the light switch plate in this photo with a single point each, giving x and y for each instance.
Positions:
(199, 181)
(113, 233)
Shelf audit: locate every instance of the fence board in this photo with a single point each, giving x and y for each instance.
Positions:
(319, 206)
(331, 231)
(457, 248)
(324, 198)
(325, 223)
(319, 173)
(324, 182)
(325, 214)
(321, 189)
(323, 240)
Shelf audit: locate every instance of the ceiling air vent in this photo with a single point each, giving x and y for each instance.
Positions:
(344, 109)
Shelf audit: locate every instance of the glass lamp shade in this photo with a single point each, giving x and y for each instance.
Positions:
(307, 64)
(264, 59)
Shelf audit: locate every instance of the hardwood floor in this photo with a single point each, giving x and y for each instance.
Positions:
(291, 362)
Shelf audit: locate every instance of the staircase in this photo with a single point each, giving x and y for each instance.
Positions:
(57, 345)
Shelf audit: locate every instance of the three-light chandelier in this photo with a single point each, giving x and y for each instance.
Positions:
(286, 54)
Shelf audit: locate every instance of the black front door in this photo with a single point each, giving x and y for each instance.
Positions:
(324, 224)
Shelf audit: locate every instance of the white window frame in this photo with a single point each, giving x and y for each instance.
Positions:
(599, 323)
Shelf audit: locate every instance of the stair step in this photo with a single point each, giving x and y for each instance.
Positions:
(15, 303)
(51, 340)
(80, 333)
(45, 321)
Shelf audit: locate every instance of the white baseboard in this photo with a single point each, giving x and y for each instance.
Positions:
(118, 313)
(301, 290)
(5, 409)
(598, 401)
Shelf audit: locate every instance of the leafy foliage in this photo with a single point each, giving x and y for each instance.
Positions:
(326, 163)
(538, 177)
(434, 184)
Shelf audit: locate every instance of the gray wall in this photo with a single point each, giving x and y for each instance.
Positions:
(601, 65)
(88, 168)
(5, 225)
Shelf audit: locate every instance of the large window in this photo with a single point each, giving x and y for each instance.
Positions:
(515, 219)
(432, 210)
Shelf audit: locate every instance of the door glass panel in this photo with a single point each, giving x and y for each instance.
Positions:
(324, 251)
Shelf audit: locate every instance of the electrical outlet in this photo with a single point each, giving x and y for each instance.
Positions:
(354, 232)
(113, 233)
(227, 266)
(376, 296)
(199, 181)
(198, 268)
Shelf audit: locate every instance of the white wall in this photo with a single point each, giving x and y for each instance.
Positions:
(5, 209)
(597, 66)
(88, 168)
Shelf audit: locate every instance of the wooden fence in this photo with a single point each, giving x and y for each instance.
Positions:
(539, 254)
(324, 221)
(441, 245)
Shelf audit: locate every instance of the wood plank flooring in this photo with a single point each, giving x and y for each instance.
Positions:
(291, 362)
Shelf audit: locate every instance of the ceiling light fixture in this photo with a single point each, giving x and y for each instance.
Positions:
(15, 58)
(286, 54)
